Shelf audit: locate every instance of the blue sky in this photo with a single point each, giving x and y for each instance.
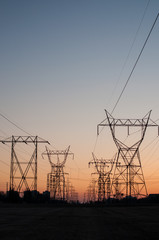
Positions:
(61, 60)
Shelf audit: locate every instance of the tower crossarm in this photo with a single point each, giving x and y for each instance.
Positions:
(127, 123)
(113, 122)
(102, 164)
(57, 153)
(24, 139)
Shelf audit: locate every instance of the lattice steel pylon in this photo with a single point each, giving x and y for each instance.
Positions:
(93, 190)
(56, 184)
(128, 179)
(103, 169)
(23, 172)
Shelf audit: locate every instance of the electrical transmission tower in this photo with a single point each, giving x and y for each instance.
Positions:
(56, 184)
(103, 169)
(128, 179)
(23, 172)
(73, 194)
(92, 191)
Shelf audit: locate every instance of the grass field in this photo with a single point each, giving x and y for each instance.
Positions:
(74, 223)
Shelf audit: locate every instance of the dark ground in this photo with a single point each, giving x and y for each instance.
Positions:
(74, 223)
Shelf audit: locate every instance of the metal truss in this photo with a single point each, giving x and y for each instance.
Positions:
(23, 173)
(92, 191)
(56, 184)
(103, 170)
(73, 195)
(128, 179)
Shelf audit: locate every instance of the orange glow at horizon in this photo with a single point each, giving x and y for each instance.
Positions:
(79, 174)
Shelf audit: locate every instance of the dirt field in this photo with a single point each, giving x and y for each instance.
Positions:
(79, 223)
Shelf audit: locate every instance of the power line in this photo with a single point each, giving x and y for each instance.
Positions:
(130, 50)
(2, 115)
(133, 42)
(135, 65)
(20, 128)
(125, 65)
(148, 160)
(153, 173)
(149, 144)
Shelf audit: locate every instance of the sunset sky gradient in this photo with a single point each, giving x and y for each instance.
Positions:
(62, 63)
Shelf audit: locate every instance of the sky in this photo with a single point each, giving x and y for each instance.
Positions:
(62, 63)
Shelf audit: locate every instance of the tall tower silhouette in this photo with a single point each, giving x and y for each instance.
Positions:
(128, 178)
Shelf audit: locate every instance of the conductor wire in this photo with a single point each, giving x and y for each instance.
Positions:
(135, 64)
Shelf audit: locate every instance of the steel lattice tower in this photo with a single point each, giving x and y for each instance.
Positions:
(56, 184)
(128, 179)
(92, 191)
(23, 173)
(104, 173)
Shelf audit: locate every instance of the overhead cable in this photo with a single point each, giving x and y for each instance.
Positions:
(14, 124)
(135, 64)
(130, 50)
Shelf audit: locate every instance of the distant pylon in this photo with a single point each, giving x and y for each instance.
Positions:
(93, 190)
(103, 169)
(128, 179)
(56, 184)
(23, 172)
